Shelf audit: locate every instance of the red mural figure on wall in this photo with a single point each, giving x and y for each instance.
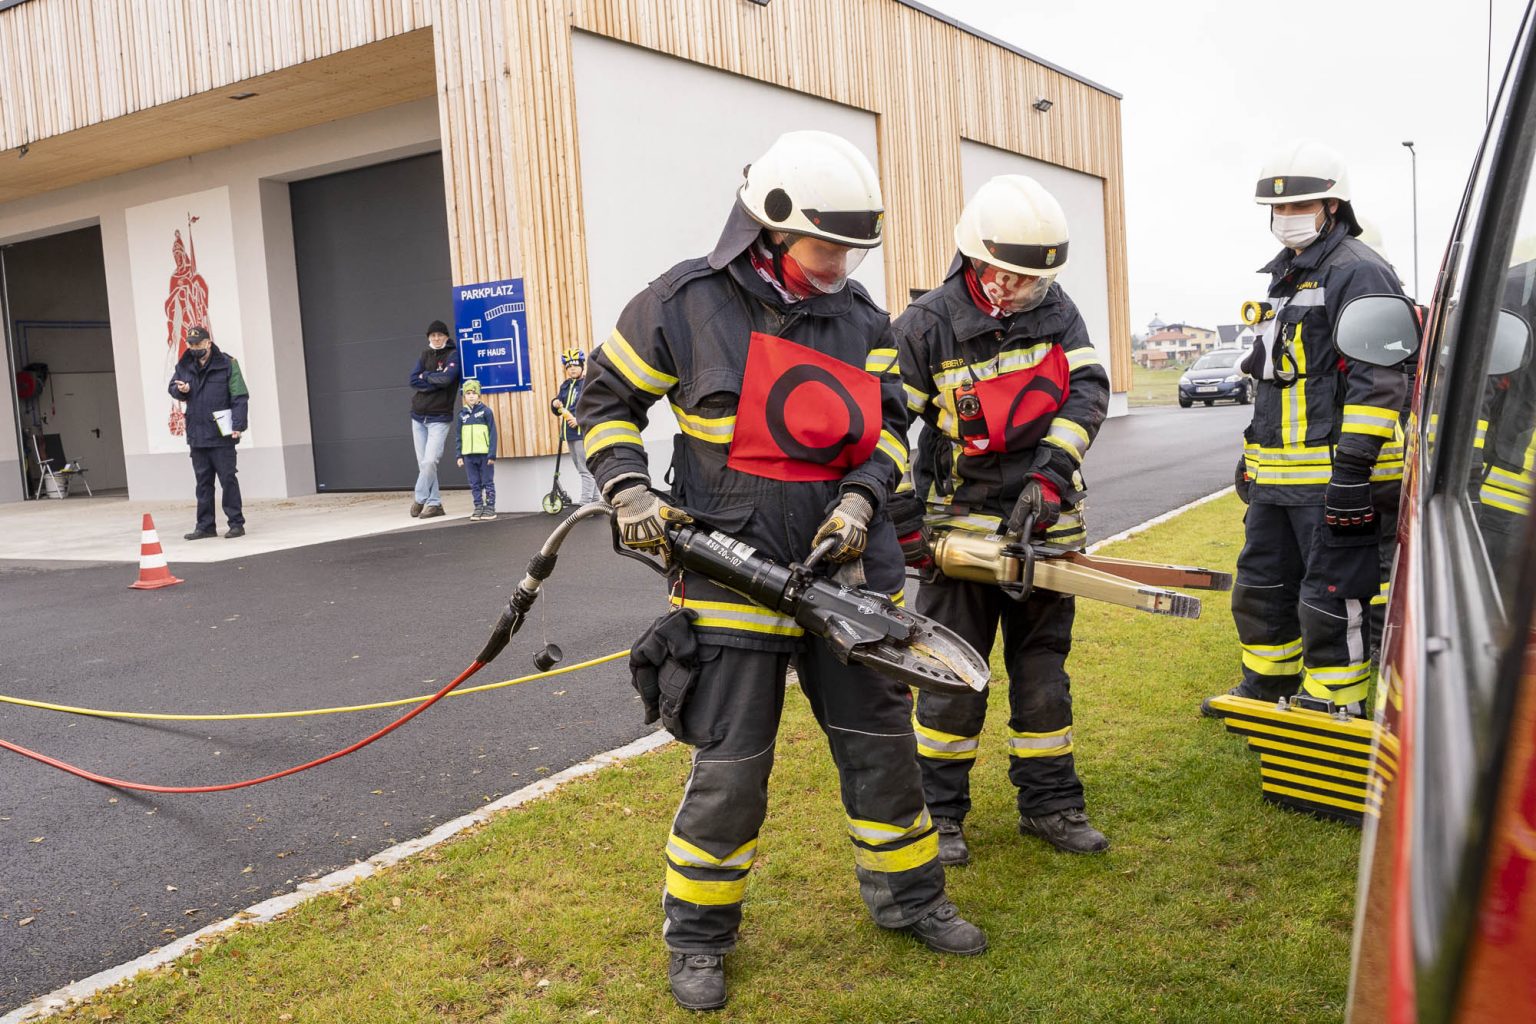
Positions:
(186, 305)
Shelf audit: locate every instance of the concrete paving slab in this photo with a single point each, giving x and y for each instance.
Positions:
(106, 529)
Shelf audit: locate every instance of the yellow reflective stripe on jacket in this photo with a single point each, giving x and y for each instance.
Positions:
(715, 430)
(881, 360)
(1293, 402)
(610, 433)
(1018, 359)
(917, 400)
(1482, 434)
(975, 522)
(944, 746)
(1078, 358)
(879, 833)
(913, 855)
(1040, 744)
(636, 370)
(474, 439)
(705, 894)
(745, 618)
(894, 448)
(1375, 420)
(1069, 437)
(1300, 465)
(680, 851)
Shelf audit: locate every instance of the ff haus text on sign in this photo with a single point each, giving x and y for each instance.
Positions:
(492, 325)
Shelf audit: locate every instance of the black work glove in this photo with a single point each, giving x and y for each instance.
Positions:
(1041, 497)
(1347, 508)
(1241, 481)
(906, 513)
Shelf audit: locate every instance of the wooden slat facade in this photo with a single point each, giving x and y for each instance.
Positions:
(505, 87)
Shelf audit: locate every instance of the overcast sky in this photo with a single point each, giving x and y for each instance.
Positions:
(1212, 87)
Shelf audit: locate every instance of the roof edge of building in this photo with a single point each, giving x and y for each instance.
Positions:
(972, 30)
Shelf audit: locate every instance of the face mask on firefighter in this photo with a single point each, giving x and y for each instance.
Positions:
(1296, 230)
(814, 265)
(1010, 291)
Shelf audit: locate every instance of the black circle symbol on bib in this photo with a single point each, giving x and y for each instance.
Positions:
(778, 426)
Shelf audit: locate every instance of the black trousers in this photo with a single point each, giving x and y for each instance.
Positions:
(1302, 602)
(1037, 637)
(206, 464)
(731, 718)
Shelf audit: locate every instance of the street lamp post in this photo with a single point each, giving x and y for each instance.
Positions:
(1414, 161)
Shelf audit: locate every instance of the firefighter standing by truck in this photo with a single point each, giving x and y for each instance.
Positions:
(780, 373)
(1322, 455)
(998, 363)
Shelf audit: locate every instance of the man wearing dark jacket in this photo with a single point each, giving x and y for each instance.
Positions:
(211, 384)
(435, 381)
(998, 363)
(1322, 450)
(782, 379)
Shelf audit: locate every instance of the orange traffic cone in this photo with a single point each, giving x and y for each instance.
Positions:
(153, 573)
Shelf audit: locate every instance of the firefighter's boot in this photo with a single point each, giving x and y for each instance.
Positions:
(1265, 693)
(1068, 831)
(943, 930)
(953, 851)
(698, 980)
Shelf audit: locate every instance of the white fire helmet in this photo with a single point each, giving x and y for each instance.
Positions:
(818, 184)
(1013, 223)
(1305, 170)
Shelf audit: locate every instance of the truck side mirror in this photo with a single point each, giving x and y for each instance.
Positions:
(1511, 344)
(1382, 330)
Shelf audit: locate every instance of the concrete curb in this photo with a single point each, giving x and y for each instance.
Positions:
(269, 910)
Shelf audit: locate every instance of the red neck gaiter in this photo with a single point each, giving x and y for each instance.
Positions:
(973, 285)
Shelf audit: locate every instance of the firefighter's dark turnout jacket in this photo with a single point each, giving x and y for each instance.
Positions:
(686, 339)
(1045, 393)
(1302, 595)
(714, 338)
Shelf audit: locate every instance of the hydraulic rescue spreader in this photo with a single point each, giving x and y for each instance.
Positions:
(1010, 561)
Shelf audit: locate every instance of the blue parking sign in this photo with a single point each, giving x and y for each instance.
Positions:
(492, 326)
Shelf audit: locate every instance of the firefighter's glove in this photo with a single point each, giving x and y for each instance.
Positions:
(1347, 501)
(1041, 498)
(644, 519)
(849, 523)
(906, 512)
(1241, 481)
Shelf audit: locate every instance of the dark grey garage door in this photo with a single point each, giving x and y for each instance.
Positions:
(372, 253)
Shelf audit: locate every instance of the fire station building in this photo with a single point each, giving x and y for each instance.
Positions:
(317, 182)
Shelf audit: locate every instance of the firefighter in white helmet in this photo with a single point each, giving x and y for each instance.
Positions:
(782, 377)
(1323, 455)
(998, 363)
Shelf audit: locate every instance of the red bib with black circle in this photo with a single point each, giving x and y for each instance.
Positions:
(803, 415)
(1019, 406)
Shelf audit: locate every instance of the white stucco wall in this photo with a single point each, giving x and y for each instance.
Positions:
(1081, 196)
(278, 461)
(663, 144)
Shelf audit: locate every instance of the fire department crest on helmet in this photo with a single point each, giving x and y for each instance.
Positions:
(1050, 257)
(1279, 186)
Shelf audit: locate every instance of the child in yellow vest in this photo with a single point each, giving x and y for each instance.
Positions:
(476, 450)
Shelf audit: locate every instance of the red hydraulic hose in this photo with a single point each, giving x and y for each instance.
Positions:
(107, 780)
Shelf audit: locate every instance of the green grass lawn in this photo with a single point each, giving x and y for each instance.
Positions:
(1212, 906)
(1155, 387)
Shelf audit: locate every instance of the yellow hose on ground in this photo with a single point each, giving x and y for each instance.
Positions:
(147, 716)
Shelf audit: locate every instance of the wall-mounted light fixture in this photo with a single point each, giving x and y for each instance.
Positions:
(761, 3)
(242, 95)
(1042, 104)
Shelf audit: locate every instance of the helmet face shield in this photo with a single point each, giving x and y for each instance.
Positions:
(824, 265)
(1010, 291)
